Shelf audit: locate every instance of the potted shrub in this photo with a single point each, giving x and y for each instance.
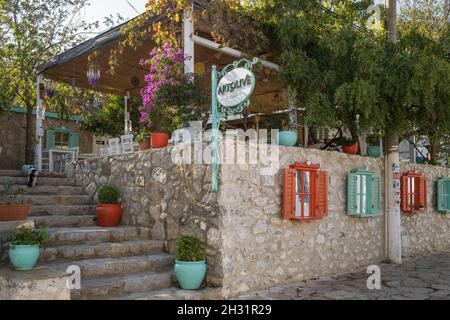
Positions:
(109, 209)
(349, 146)
(10, 211)
(143, 139)
(24, 247)
(373, 146)
(190, 266)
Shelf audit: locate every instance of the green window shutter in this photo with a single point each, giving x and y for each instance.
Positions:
(447, 194)
(376, 196)
(351, 194)
(440, 198)
(73, 140)
(50, 139)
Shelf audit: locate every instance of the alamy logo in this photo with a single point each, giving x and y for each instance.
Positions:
(74, 281)
(374, 280)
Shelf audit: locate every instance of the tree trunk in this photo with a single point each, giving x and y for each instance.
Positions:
(434, 147)
(29, 135)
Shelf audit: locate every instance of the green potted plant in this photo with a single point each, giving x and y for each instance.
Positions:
(24, 247)
(190, 266)
(349, 145)
(373, 146)
(109, 209)
(143, 138)
(10, 210)
(288, 136)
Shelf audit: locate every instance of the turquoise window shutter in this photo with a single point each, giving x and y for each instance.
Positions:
(351, 194)
(73, 140)
(376, 196)
(440, 196)
(50, 139)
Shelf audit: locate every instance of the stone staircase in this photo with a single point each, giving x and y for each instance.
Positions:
(116, 263)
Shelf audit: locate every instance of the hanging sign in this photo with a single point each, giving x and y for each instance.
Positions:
(235, 87)
(231, 89)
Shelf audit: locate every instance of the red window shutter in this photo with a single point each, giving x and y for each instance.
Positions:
(404, 190)
(288, 193)
(422, 192)
(321, 194)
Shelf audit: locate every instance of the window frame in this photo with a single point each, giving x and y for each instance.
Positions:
(443, 193)
(412, 193)
(372, 194)
(318, 203)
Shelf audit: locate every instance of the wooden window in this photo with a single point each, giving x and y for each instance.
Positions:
(414, 192)
(363, 193)
(443, 195)
(305, 192)
(61, 138)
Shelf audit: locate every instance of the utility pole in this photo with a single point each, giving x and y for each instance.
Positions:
(392, 165)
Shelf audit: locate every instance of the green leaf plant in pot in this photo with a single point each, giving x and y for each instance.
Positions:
(373, 146)
(288, 136)
(143, 139)
(24, 247)
(109, 209)
(190, 266)
(349, 145)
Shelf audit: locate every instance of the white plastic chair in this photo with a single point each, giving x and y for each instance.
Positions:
(127, 143)
(114, 146)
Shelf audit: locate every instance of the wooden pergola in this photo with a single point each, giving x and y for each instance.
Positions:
(71, 67)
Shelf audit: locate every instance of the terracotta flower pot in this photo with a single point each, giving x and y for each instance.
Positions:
(159, 139)
(144, 145)
(351, 149)
(14, 212)
(109, 214)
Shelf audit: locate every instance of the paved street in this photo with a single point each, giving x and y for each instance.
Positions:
(424, 277)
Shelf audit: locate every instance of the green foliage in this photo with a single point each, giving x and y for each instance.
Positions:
(343, 141)
(27, 236)
(108, 194)
(108, 117)
(190, 248)
(142, 135)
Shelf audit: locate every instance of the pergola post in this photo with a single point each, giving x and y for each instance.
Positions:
(128, 126)
(40, 112)
(188, 43)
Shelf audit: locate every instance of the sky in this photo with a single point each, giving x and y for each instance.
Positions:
(101, 8)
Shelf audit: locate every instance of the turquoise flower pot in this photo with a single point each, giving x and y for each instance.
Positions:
(23, 257)
(287, 138)
(190, 274)
(26, 168)
(374, 151)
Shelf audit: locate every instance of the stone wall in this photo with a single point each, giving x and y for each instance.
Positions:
(260, 249)
(12, 137)
(157, 193)
(248, 245)
(430, 230)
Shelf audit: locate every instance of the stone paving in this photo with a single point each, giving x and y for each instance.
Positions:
(422, 277)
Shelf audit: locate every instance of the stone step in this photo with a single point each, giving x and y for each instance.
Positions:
(41, 181)
(43, 190)
(50, 199)
(62, 236)
(65, 221)
(103, 267)
(61, 210)
(102, 250)
(18, 173)
(108, 287)
(173, 294)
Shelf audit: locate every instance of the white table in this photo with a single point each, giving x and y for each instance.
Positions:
(52, 152)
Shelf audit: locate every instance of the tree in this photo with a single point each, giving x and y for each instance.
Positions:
(32, 31)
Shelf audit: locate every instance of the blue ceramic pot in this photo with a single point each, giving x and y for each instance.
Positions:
(23, 257)
(287, 138)
(190, 274)
(374, 151)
